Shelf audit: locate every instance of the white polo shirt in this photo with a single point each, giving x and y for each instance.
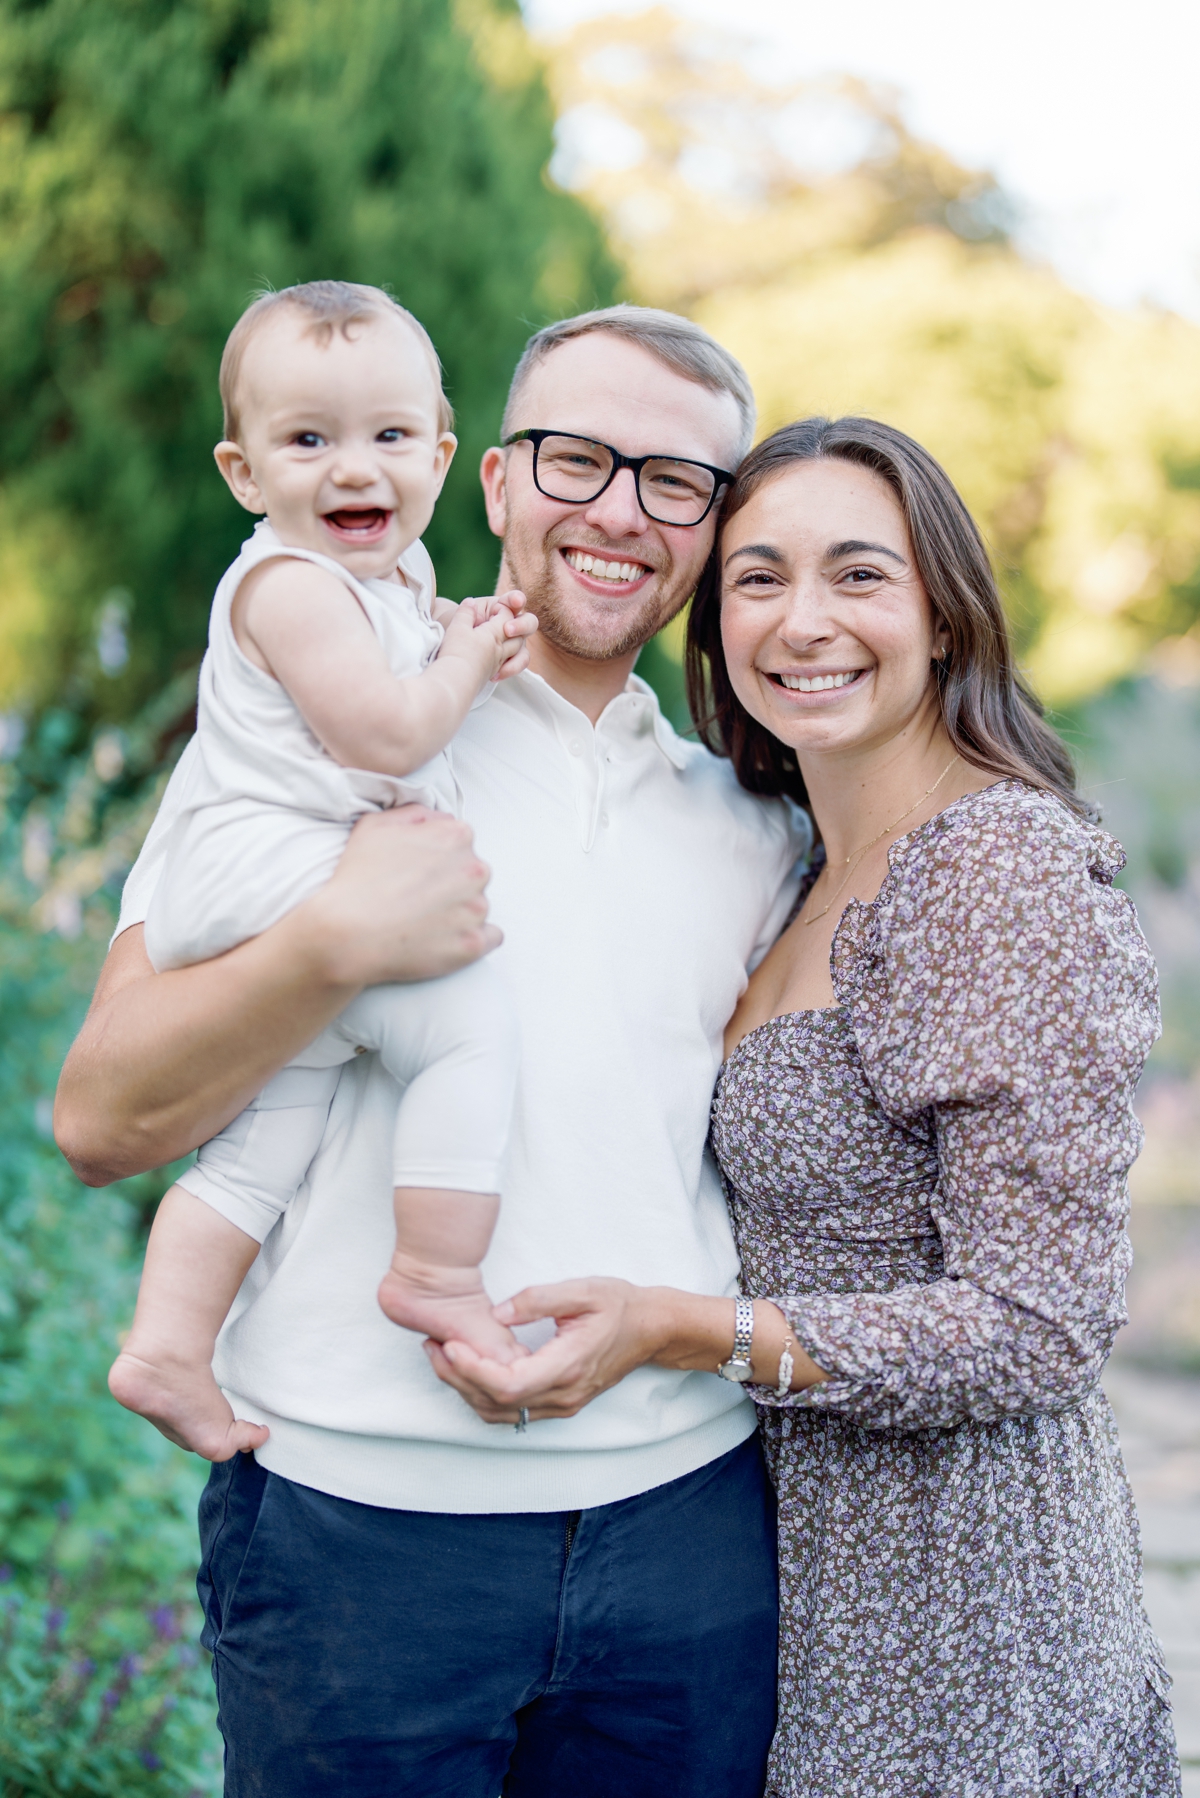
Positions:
(636, 885)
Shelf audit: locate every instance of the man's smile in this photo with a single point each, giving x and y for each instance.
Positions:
(607, 570)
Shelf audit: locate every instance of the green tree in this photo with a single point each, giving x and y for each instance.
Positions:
(158, 159)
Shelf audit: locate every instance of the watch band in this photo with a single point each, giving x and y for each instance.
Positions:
(738, 1367)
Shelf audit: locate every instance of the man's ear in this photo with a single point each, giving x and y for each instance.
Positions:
(230, 458)
(493, 475)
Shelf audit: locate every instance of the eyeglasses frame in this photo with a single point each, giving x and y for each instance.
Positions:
(722, 476)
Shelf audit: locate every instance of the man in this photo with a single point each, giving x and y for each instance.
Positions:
(402, 1597)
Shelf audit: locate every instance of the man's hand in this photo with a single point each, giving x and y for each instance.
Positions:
(406, 901)
(606, 1328)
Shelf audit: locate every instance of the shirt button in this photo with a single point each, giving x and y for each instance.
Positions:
(576, 749)
(604, 818)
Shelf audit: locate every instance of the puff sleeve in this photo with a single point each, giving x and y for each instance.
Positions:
(1000, 988)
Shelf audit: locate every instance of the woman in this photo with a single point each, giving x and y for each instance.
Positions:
(925, 1126)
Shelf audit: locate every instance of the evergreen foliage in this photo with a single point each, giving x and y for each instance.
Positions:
(158, 160)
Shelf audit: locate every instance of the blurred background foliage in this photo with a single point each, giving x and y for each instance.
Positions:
(855, 269)
(161, 158)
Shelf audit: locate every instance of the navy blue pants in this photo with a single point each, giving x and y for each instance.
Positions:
(627, 1651)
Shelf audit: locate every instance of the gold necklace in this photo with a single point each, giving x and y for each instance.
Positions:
(852, 861)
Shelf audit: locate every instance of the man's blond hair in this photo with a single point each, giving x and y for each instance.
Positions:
(329, 306)
(678, 343)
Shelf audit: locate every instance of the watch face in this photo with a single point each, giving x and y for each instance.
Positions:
(736, 1370)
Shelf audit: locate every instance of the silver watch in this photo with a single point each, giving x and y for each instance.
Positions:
(738, 1367)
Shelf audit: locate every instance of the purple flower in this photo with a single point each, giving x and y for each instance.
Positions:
(5, 1574)
(150, 1760)
(166, 1623)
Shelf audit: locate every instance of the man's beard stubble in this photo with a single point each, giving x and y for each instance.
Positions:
(534, 575)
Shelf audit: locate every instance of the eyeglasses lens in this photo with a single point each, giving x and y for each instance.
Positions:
(568, 468)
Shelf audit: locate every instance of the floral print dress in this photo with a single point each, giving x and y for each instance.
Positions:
(929, 1179)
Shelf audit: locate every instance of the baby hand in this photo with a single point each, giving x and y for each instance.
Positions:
(493, 633)
(519, 621)
(519, 626)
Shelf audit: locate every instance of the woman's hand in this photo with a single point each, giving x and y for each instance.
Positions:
(606, 1328)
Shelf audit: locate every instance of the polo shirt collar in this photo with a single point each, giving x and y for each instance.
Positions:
(632, 709)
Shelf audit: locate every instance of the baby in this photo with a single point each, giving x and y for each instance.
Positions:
(334, 681)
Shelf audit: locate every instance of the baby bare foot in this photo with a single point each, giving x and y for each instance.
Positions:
(460, 1316)
(182, 1399)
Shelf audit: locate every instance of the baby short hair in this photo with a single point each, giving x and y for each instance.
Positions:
(329, 306)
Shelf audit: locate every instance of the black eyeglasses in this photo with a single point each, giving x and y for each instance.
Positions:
(576, 470)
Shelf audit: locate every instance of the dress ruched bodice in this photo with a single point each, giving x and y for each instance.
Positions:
(930, 1179)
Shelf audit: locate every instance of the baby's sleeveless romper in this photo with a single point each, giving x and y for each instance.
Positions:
(266, 817)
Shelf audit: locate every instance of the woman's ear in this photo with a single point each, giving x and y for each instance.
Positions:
(941, 641)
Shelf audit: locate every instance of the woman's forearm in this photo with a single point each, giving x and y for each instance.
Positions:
(165, 1060)
(693, 1332)
(606, 1328)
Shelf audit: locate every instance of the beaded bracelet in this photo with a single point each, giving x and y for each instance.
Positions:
(786, 1369)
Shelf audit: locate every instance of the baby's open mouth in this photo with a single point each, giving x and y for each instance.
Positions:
(359, 521)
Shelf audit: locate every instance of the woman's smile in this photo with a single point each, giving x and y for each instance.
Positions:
(817, 680)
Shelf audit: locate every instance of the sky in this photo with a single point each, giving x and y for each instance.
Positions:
(1085, 110)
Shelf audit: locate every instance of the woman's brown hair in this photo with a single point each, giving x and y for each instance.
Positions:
(991, 717)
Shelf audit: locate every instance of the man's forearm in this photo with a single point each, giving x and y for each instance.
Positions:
(164, 1061)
